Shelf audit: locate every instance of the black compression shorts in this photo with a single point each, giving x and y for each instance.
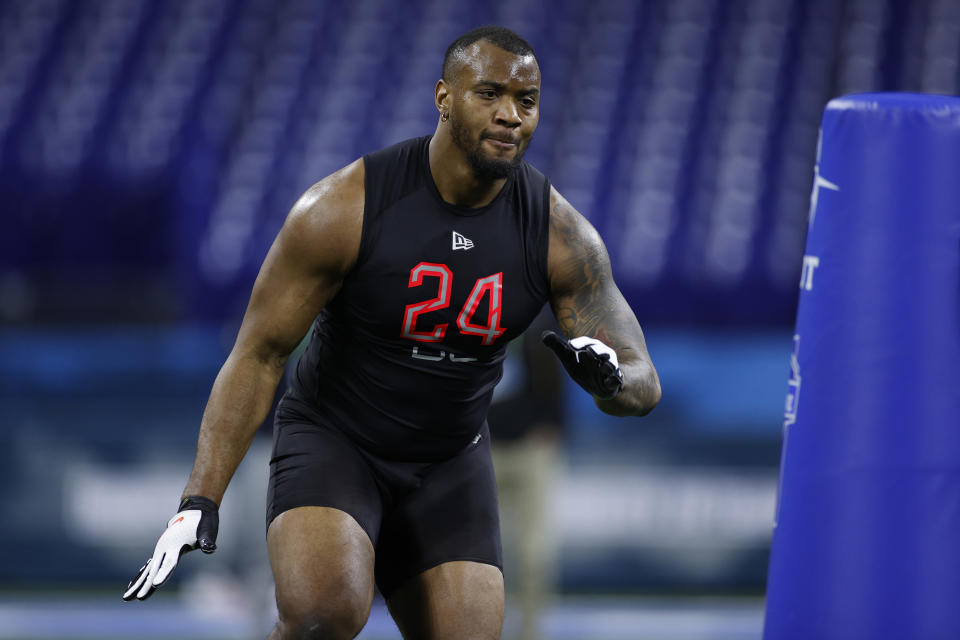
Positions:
(417, 515)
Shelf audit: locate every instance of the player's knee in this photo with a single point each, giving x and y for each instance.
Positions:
(331, 621)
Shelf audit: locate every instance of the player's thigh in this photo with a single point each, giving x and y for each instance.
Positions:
(453, 601)
(323, 569)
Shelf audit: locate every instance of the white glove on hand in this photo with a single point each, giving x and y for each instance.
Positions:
(193, 527)
(596, 346)
(592, 364)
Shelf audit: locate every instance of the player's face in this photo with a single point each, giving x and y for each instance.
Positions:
(495, 108)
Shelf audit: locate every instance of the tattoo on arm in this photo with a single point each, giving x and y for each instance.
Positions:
(590, 307)
(587, 302)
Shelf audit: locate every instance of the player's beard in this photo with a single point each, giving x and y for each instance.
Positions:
(484, 166)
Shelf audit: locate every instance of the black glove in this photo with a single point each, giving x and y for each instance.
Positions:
(592, 364)
(194, 526)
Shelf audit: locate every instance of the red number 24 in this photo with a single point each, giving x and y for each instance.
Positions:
(492, 284)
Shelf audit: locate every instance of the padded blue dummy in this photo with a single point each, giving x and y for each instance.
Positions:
(866, 544)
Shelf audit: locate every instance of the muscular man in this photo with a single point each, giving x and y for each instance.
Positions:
(416, 265)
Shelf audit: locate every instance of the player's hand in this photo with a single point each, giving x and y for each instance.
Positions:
(194, 526)
(592, 364)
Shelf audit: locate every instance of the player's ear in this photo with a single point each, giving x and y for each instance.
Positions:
(441, 96)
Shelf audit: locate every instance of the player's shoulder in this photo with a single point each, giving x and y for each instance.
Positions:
(339, 195)
(334, 208)
(568, 221)
(329, 215)
(572, 236)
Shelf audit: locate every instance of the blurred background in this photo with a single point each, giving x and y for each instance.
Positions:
(150, 150)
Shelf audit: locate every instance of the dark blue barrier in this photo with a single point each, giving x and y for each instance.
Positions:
(865, 546)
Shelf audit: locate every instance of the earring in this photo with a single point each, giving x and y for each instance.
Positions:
(444, 116)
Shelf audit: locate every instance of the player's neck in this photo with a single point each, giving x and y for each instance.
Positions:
(454, 177)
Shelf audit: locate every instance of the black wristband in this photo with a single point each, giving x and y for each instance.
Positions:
(198, 502)
(209, 521)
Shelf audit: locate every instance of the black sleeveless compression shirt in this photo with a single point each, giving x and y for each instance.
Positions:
(405, 357)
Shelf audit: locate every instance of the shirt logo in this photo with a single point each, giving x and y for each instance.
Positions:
(461, 242)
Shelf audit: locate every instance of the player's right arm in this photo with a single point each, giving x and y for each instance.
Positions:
(313, 252)
(315, 249)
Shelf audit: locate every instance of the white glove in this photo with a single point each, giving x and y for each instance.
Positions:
(592, 364)
(596, 346)
(193, 527)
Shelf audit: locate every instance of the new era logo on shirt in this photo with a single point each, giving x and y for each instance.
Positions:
(461, 242)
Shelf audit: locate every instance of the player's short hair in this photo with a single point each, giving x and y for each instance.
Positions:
(499, 36)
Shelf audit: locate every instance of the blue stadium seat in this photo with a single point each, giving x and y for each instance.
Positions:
(686, 127)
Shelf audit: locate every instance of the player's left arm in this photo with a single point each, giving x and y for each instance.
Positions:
(587, 302)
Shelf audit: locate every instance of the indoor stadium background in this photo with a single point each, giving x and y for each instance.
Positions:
(150, 149)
